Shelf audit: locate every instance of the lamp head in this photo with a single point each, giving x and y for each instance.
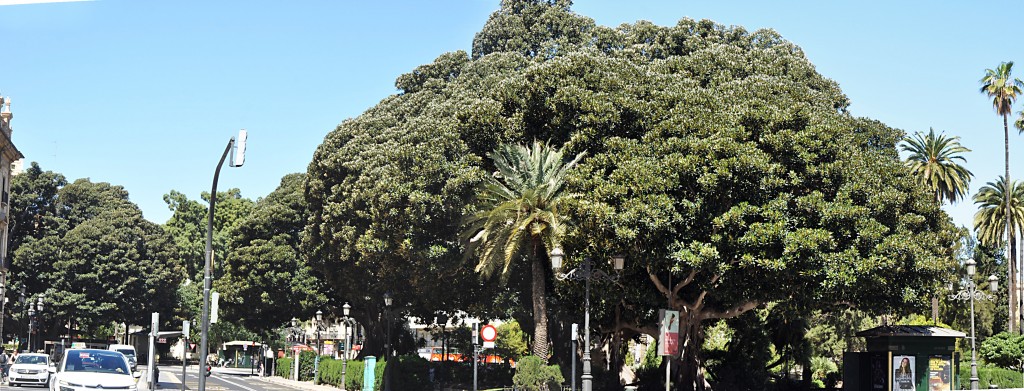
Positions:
(345, 309)
(319, 315)
(993, 283)
(387, 299)
(618, 262)
(294, 322)
(971, 268)
(556, 258)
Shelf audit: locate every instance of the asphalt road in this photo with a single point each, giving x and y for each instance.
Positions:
(170, 379)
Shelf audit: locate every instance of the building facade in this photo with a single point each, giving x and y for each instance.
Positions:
(8, 155)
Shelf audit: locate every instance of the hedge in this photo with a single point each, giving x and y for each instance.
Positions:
(409, 373)
(1003, 378)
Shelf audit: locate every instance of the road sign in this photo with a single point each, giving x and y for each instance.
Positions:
(488, 333)
(192, 346)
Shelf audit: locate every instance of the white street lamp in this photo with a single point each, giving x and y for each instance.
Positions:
(971, 293)
(349, 323)
(237, 160)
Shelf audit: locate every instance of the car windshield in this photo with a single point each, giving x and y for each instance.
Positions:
(95, 361)
(31, 360)
(127, 352)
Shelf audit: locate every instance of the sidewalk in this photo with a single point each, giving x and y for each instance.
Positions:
(300, 385)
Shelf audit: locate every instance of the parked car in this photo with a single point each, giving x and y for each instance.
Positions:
(91, 369)
(29, 368)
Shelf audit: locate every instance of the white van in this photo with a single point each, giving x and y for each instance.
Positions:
(128, 351)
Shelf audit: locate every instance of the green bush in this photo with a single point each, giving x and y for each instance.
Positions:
(409, 373)
(1004, 378)
(533, 375)
(284, 368)
(330, 373)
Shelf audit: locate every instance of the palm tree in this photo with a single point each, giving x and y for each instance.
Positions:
(933, 159)
(997, 84)
(518, 220)
(991, 218)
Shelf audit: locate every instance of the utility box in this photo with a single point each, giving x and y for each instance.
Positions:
(903, 358)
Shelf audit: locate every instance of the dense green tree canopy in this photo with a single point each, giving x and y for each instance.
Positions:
(266, 280)
(90, 251)
(718, 160)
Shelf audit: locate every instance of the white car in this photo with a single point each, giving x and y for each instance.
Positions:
(92, 369)
(29, 368)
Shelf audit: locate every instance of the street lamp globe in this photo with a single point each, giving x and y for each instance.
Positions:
(556, 258)
(319, 316)
(387, 299)
(345, 309)
(971, 267)
(295, 322)
(993, 283)
(39, 303)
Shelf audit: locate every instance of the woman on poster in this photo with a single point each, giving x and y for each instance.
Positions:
(903, 379)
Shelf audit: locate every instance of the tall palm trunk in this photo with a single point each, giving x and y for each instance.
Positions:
(1012, 261)
(540, 308)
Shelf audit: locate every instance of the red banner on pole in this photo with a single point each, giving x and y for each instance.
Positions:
(668, 335)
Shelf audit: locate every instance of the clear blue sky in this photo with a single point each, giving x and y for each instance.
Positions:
(146, 94)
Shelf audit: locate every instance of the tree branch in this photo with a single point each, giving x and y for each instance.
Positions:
(732, 312)
(658, 284)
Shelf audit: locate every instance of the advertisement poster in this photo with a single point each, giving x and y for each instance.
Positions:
(668, 335)
(940, 373)
(903, 373)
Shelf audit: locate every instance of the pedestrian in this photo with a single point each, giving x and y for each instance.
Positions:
(4, 358)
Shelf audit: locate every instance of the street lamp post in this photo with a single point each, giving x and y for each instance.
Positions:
(349, 323)
(35, 310)
(237, 160)
(31, 324)
(971, 293)
(387, 339)
(585, 272)
(319, 347)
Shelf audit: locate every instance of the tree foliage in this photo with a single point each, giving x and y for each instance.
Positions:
(266, 279)
(87, 247)
(934, 159)
(719, 161)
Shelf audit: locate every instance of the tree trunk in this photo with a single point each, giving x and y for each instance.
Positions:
(689, 368)
(540, 310)
(1011, 281)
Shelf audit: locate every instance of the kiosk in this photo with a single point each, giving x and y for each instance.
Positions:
(903, 358)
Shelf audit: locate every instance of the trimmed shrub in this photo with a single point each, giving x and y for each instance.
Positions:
(533, 375)
(284, 367)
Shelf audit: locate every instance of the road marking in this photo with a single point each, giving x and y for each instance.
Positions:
(235, 384)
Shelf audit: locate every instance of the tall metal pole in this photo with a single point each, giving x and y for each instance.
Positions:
(974, 355)
(572, 346)
(344, 359)
(207, 275)
(587, 377)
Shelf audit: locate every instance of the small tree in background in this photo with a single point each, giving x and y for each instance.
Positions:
(1003, 350)
(512, 342)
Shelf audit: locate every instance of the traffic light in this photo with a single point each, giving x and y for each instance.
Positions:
(208, 368)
